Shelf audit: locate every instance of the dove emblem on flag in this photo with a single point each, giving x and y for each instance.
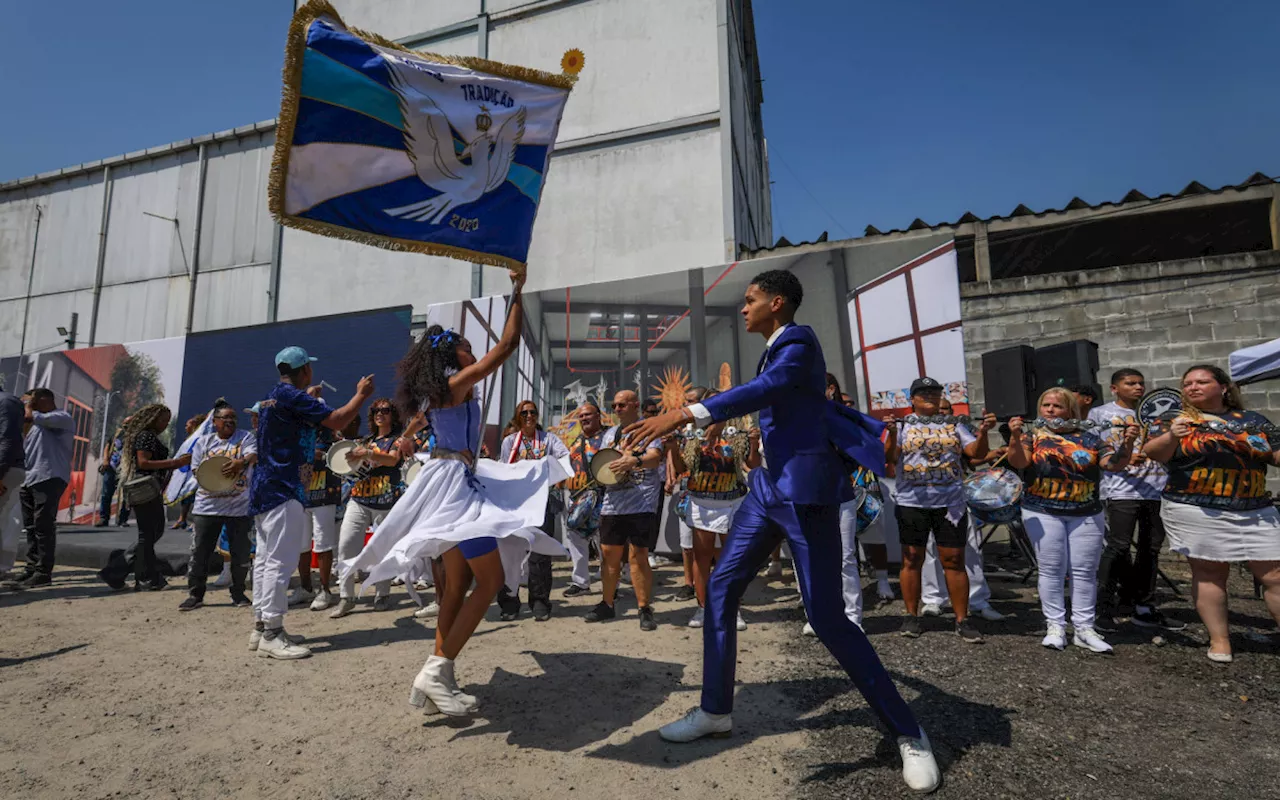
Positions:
(460, 177)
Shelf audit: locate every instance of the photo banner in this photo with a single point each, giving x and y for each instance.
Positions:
(383, 145)
(906, 324)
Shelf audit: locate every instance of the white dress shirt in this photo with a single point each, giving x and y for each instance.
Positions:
(701, 416)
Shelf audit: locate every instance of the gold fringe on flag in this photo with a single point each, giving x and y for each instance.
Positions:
(295, 48)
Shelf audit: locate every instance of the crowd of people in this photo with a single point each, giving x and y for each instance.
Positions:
(416, 502)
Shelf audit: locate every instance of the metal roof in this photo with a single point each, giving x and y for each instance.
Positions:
(1133, 196)
(142, 155)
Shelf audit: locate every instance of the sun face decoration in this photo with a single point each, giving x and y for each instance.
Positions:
(573, 62)
(672, 388)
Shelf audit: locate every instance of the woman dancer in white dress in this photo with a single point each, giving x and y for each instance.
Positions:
(475, 516)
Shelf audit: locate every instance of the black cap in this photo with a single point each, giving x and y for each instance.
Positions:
(924, 384)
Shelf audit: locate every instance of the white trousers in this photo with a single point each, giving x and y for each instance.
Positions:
(322, 530)
(355, 523)
(851, 581)
(934, 583)
(580, 555)
(281, 532)
(10, 518)
(1063, 542)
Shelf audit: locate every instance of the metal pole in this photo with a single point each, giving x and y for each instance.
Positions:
(75, 326)
(102, 253)
(26, 309)
(273, 287)
(106, 417)
(195, 248)
(644, 352)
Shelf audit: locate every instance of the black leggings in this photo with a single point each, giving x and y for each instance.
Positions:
(150, 521)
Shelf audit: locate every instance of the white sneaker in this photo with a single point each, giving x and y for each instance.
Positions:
(1089, 639)
(697, 724)
(429, 610)
(919, 768)
(990, 614)
(224, 579)
(397, 580)
(300, 597)
(808, 630)
(653, 561)
(884, 592)
(742, 623)
(345, 606)
(931, 610)
(1055, 638)
(698, 617)
(323, 600)
(280, 647)
(774, 570)
(422, 584)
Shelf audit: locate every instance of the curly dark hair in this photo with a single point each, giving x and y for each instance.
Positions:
(783, 283)
(424, 371)
(396, 425)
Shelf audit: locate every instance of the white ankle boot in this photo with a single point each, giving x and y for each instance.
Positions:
(469, 701)
(430, 692)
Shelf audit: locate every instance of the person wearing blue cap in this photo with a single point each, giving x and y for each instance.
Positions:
(289, 418)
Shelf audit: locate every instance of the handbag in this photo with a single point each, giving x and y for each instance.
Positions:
(141, 489)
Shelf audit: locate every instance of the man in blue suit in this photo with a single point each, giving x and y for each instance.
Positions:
(806, 441)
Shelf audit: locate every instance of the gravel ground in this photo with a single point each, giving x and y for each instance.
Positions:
(107, 695)
(1009, 718)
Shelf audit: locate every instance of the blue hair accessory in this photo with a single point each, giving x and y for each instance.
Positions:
(449, 336)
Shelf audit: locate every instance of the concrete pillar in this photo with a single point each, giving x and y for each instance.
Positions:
(697, 329)
(981, 251)
(1275, 217)
(840, 286)
(645, 381)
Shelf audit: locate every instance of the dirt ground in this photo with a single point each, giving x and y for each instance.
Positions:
(119, 695)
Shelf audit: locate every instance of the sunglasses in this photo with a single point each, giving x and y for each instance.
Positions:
(382, 411)
(528, 413)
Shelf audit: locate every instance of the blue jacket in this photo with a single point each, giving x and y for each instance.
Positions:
(811, 444)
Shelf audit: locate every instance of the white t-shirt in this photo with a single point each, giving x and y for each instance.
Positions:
(235, 501)
(1144, 482)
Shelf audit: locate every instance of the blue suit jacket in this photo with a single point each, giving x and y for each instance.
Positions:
(810, 443)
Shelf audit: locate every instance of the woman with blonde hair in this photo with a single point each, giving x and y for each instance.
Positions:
(1062, 512)
(1215, 505)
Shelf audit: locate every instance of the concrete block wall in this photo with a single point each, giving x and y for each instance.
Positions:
(1159, 318)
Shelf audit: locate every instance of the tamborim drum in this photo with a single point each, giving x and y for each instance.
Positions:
(411, 471)
(336, 458)
(992, 496)
(1159, 405)
(605, 477)
(210, 476)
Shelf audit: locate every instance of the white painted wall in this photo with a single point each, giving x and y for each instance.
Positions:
(646, 62)
(622, 212)
(396, 19)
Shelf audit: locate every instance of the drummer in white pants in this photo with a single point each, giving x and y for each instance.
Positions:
(933, 583)
(577, 542)
(379, 484)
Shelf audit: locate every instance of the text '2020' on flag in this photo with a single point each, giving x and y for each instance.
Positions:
(412, 151)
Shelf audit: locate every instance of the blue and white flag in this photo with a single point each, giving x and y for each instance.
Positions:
(412, 151)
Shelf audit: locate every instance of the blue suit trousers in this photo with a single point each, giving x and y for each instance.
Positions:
(813, 531)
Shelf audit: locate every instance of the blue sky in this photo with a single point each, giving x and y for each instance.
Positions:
(876, 113)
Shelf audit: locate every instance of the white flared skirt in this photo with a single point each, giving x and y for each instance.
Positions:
(1210, 534)
(448, 504)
